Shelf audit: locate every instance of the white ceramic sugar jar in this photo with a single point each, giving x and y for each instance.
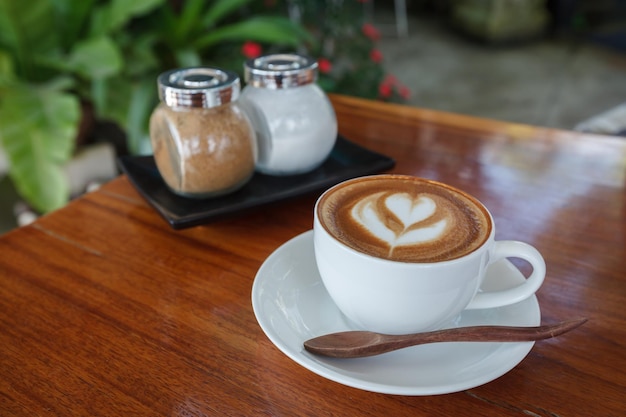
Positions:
(295, 123)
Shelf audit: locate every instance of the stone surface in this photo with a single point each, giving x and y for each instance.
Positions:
(552, 83)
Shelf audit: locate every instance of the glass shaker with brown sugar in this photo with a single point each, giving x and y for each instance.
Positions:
(203, 143)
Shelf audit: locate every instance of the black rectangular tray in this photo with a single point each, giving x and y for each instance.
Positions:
(347, 160)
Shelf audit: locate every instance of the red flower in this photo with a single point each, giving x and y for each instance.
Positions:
(251, 49)
(376, 56)
(384, 90)
(390, 79)
(370, 31)
(404, 92)
(324, 65)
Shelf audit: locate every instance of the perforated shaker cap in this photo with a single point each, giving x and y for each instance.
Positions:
(198, 87)
(278, 71)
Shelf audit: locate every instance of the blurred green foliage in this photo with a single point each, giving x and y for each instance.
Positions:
(57, 54)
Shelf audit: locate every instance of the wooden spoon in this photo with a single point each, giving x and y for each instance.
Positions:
(358, 344)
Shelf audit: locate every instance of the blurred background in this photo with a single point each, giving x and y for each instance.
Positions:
(77, 77)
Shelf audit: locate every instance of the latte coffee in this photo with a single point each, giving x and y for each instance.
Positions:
(404, 218)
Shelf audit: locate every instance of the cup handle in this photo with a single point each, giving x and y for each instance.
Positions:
(512, 249)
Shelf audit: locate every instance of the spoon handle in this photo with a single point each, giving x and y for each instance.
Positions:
(356, 344)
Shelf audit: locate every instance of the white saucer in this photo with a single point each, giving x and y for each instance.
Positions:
(292, 305)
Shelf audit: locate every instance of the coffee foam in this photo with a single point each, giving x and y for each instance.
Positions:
(404, 218)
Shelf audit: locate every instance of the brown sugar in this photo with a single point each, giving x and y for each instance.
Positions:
(203, 152)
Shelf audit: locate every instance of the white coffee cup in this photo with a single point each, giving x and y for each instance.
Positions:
(407, 296)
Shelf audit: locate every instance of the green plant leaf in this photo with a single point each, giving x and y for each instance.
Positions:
(188, 20)
(187, 57)
(124, 10)
(143, 99)
(93, 59)
(96, 58)
(26, 30)
(270, 29)
(140, 54)
(117, 99)
(7, 69)
(130, 105)
(221, 9)
(37, 130)
(99, 94)
(326, 83)
(73, 16)
(113, 15)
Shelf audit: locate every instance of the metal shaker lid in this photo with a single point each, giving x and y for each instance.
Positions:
(198, 87)
(278, 71)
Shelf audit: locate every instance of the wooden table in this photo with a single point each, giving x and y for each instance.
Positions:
(106, 310)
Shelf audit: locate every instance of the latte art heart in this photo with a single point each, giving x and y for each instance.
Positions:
(400, 219)
(403, 218)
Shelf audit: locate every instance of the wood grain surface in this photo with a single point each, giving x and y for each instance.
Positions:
(107, 311)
